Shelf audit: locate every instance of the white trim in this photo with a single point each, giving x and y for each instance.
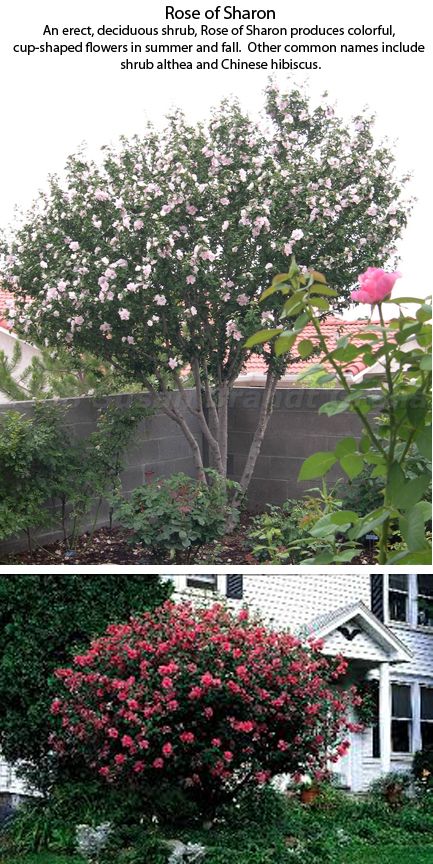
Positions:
(385, 717)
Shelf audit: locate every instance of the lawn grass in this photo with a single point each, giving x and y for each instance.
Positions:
(388, 855)
(43, 858)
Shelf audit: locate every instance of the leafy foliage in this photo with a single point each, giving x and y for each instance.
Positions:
(178, 514)
(51, 479)
(43, 620)
(300, 528)
(57, 374)
(395, 417)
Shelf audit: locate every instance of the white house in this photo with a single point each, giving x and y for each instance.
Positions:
(383, 625)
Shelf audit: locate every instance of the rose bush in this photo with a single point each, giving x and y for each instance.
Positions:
(154, 257)
(393, 406)
(203, 699)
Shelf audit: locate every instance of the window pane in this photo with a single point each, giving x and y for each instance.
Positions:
(209, 582)
(398, 582)
(401, 701)
(427, 734)
(400, 736)
(397, 606)
(427, 703)
(425, 585)
(425, 612)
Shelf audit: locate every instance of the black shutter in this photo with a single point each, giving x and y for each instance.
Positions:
(235, 587)
(377, 596)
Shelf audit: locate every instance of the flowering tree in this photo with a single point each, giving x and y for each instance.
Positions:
(154, 258)
(204, 699)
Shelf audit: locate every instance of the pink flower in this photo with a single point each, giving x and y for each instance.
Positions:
(138, 224)
(173, 363)
(160, 300)
(112, 733)
(228, 756)
(167, 749)
(124, 314)
(127, 741)
(119, 759)
(100, 195)
(242, 300)
(224, 201)
(187, 737)
(74, 246)
(138, 767)
(216, 742)
(158, 763)
(375, 285)
(190, 280)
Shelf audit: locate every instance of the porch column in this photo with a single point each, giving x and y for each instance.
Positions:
(385, 718)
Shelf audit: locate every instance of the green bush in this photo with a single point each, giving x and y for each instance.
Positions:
(44, 620)
(178, 514)
(50, 479)
(293, 533)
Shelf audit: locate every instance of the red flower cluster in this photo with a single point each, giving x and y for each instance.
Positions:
(203, 698)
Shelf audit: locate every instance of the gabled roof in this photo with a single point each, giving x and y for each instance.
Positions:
(323, 625)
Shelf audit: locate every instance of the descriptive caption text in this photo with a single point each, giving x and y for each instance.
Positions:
(218, 38)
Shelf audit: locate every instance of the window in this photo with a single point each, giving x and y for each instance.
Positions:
(235, 587)
(205, 581)
(427, 716)
(398, 598)
(401, 722)
(425, 601)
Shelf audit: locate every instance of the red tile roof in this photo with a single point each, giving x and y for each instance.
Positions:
(333, 328)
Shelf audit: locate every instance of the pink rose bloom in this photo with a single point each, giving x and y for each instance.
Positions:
(375, 285)
(158, 763)
(243, 300)
(190, 280)
(127, 741)
(124, 314)
(228, 756)
(167, 749)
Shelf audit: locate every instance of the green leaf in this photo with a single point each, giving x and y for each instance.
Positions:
(323, 289)
(346, 555)
(423, 557)
(414, 490)
(395, 484)
(319, 303)
(317, 367)
(424, 312)
(280, 278)
(346, 355)
(425, 363)
(416, 409)
(318, 277)
(293, 304)
(344, 446)
(305, 348)
(369, 522)
(423, 440)
(334, 407)
(412, 526)
(285, 342)
(262, 336)
(352, 464)
(317, 465)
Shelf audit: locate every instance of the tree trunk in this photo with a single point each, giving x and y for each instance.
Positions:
(223, 408)
(264, 415)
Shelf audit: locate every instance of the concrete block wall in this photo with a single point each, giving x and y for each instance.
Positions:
(295, 430)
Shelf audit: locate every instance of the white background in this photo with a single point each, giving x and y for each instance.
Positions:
(50, 104)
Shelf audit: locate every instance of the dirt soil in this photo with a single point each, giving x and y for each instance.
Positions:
(115, 547)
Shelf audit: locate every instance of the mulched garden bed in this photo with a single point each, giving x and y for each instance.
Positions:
(113, 547)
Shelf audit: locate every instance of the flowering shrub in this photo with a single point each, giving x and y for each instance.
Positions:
(154, 258)
(393, 407)
(178, 514)
(203, 699)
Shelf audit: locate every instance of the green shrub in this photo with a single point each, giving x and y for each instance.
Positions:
(177, 514)
(50, 479)
(44, 620)
(297, 530)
